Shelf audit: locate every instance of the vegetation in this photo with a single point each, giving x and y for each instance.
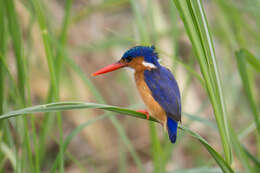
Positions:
(54, 117)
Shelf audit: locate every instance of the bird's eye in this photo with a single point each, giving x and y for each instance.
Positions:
(128, 59)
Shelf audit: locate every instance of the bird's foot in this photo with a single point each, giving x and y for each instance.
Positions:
(143, 111)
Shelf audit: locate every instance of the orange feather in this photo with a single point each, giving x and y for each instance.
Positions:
(153, 106)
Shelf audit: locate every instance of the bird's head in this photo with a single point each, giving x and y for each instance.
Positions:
(139, 58)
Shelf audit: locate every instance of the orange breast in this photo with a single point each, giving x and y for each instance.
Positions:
(154, 108)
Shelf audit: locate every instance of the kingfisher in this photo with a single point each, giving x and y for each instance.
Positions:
(156, 85)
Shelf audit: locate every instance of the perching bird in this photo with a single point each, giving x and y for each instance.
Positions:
(156, 85)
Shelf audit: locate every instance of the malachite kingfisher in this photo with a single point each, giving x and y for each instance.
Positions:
(156, 85)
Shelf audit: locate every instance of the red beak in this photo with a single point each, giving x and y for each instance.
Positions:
(110, 68)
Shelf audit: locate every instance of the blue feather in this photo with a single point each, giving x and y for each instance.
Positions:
(172, 129)
(149, 54)
(164, 90)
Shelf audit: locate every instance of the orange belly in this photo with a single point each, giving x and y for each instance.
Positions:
(153, 107)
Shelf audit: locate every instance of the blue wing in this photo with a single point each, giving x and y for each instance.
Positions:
(165, 91)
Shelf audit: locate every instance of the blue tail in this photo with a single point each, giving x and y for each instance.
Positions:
(172, 129)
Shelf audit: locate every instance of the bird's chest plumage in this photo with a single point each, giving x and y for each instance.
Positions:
(153, 106)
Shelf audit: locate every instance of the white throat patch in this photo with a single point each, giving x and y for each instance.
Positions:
(148, 64)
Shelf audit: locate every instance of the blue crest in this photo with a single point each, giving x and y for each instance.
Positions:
(147, 52)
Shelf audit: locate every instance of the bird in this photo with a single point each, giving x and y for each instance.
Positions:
(156, 84)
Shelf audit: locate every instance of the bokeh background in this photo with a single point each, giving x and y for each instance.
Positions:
(74, 38)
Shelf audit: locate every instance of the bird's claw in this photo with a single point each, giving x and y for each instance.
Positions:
(144, 112)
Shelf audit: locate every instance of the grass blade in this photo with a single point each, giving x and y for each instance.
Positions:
(253, 158)
(241, 57)
(239, 149)
(63, 37)
(2, 52)
(221, 162)
(144, 36)
(62, 106)
(9, 154)
(251, 59)
(69, 138)
(195, 23)
(16, 36)
(198, 170)
(15, 33)
(156, 150)
(51, 64)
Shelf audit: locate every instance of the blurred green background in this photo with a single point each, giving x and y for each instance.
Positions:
(48, 50)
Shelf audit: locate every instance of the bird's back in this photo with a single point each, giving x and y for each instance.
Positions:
(165, 91)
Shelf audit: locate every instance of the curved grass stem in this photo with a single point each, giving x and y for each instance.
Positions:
(63, 106)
